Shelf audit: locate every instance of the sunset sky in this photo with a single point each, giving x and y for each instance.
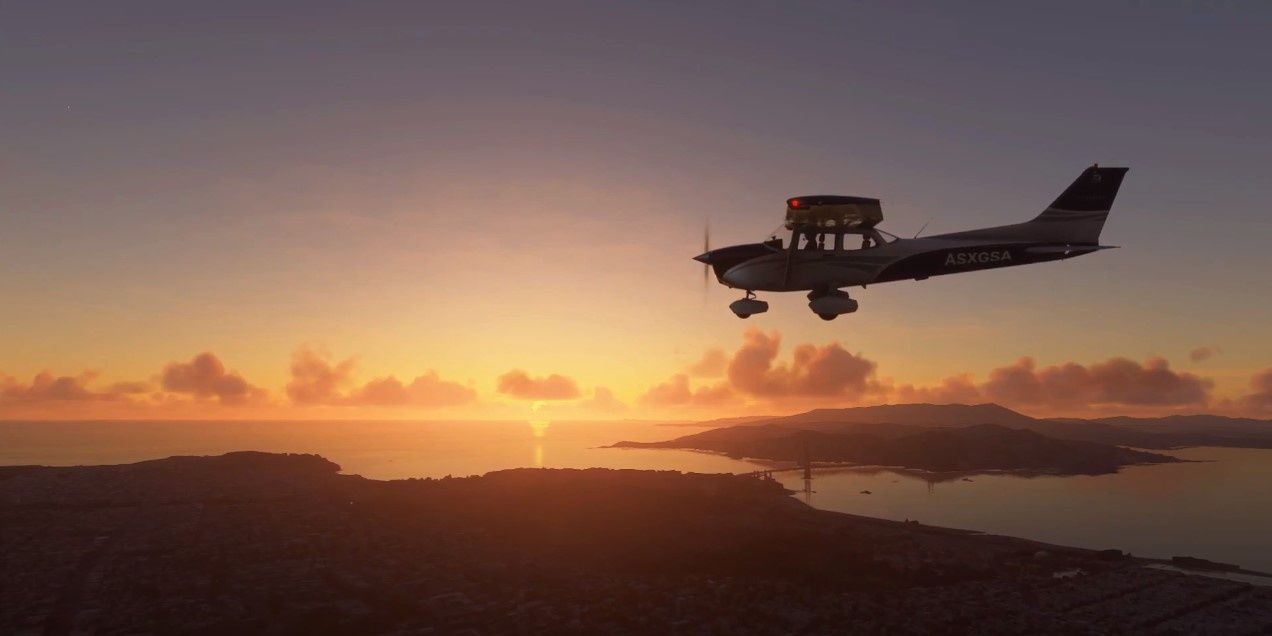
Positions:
(419, 210)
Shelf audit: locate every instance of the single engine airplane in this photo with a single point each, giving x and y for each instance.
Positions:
(816, 259)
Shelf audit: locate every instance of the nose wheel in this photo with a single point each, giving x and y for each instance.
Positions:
(748, 306)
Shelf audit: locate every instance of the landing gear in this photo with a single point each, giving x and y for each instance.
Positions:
(828, 305)
(748, 305)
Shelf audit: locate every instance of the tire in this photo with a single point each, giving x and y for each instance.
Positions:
(744, 316)
(828, 316)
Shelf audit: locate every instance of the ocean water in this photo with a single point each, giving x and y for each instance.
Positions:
(1217, 507)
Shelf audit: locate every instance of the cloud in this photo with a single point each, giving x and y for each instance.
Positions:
(1116, 381)
(1260, 401)
(815, 371)
(603, 401)
(712, 365)
(205, 377)
(1203, 353)
(677, 392)
(519, 384)
(828, 373)
(318, 380)
(46, 387)
(428, 390)
(958, 389)
(129, 388)
(315, 380)
(752, 371)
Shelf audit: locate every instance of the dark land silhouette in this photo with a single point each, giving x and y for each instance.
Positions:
(892, 420)
(966, 438)
(979, 447)
(259, 543)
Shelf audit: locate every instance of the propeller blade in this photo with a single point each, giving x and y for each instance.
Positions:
(706, 247)
(790, 253)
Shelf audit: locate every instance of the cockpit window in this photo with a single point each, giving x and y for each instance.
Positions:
(874, 238)
(866, 238)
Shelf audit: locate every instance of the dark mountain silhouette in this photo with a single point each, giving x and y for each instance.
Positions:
(181, 478)
(992, 446)
(723, 421)
(1233, 430)
(979, 447)
(1176, 431)
(914, 414)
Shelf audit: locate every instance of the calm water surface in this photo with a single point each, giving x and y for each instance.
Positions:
(1219, 509)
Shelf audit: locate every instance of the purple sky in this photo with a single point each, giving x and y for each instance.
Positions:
(477, 187)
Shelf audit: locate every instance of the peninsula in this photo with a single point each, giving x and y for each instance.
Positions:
(971, 448)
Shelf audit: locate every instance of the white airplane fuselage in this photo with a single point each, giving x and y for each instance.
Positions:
(1069, 227)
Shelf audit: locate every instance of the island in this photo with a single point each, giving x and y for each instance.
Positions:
(261, 543)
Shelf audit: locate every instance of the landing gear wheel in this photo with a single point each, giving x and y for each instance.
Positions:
(748, 306)
(828, 305)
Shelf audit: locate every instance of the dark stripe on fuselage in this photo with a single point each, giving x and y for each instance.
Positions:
(1066, 215)
(968, 259)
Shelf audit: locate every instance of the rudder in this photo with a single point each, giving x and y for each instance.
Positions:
(1078, 214)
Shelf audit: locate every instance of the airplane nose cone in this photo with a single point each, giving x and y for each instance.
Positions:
(704, 258)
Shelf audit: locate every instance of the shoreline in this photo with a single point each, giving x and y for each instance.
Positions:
(1262, 578)
(779, 465)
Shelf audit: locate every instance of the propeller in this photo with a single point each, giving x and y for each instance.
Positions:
(706, 247)
(790, 253)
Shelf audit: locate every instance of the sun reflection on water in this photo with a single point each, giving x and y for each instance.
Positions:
(538, 428)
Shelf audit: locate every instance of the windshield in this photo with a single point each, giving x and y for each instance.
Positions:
(887, 237)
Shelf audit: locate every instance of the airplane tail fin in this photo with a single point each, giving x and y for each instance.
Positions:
(1078, 214)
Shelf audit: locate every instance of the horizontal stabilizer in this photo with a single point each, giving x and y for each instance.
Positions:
(1068, 249)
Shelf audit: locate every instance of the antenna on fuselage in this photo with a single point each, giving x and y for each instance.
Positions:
(925, 224)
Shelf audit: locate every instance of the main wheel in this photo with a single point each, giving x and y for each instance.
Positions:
(828, 316)
(744, 316)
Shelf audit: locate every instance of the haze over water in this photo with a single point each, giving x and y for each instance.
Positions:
(1218, 508)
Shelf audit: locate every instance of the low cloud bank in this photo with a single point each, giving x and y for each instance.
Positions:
(316, 379)
(205, 377)
(48, 388)
(521, 385)
(829, 374)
